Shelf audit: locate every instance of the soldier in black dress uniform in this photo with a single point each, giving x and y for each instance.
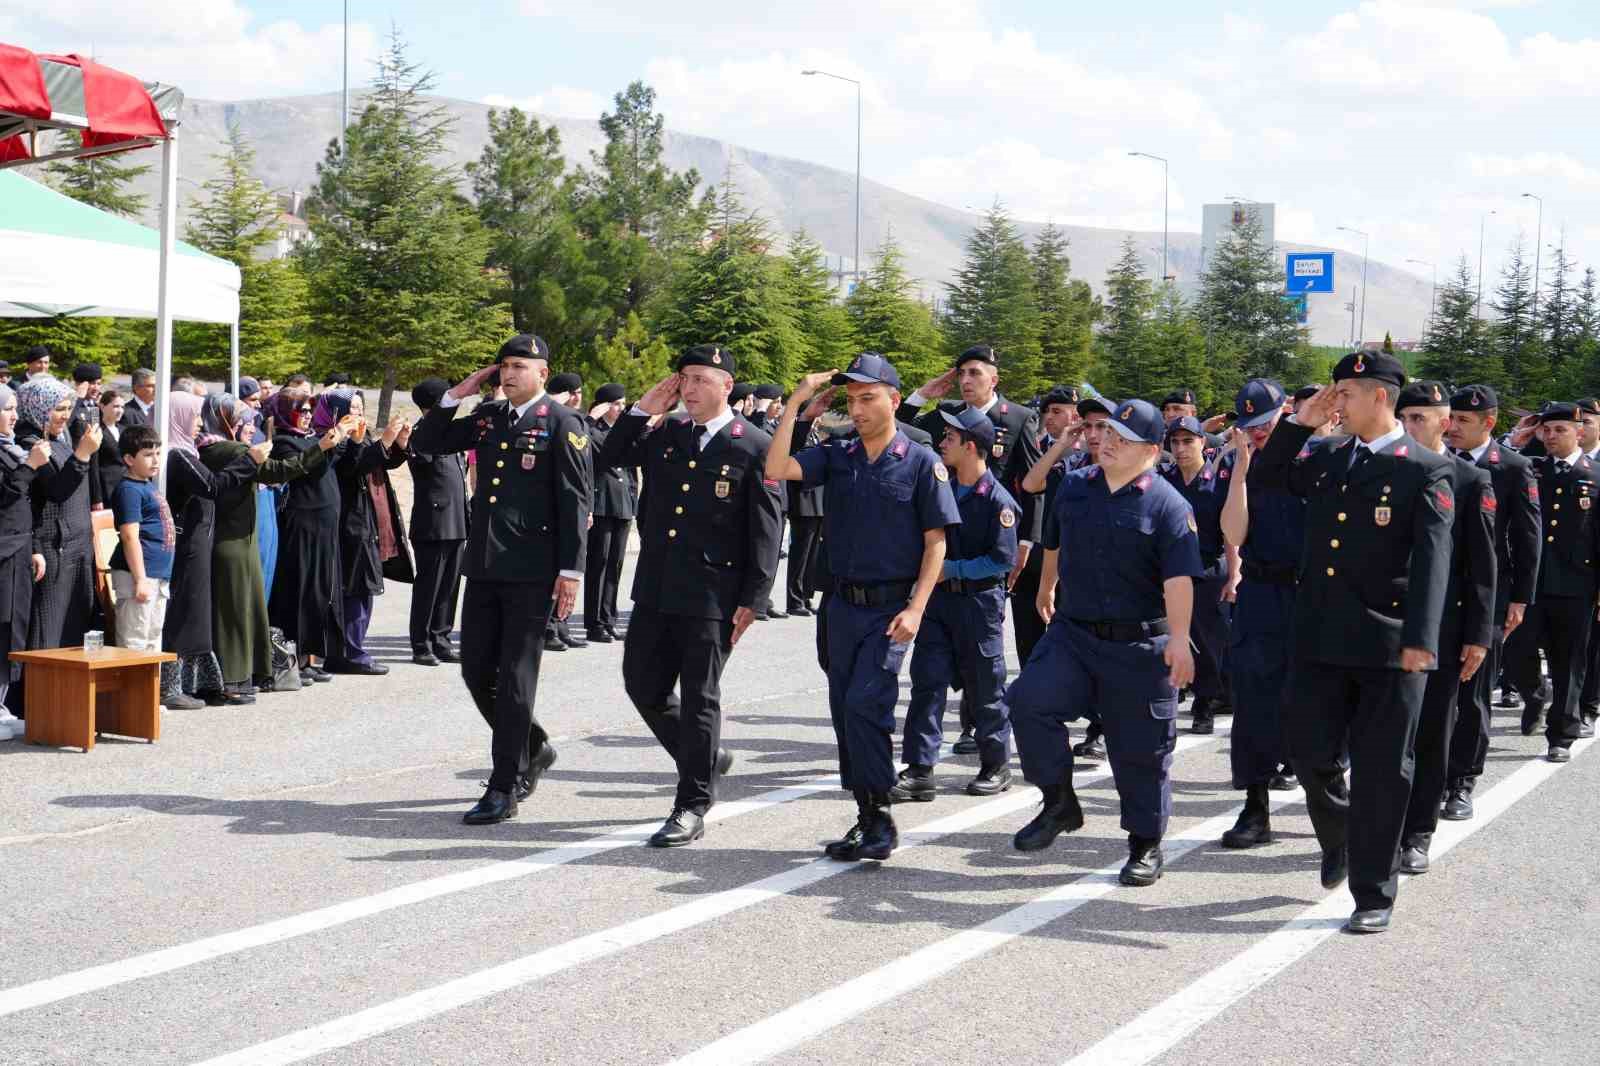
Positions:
(616, 501)
(525, 551)
(439, 536)
(706, 565)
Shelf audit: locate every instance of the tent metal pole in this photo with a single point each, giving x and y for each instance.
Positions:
(169, 230)
(233, 349)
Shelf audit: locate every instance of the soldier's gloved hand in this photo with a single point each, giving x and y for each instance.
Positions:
(743, 617)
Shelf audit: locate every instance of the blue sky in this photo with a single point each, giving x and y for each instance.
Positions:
(1407, 118)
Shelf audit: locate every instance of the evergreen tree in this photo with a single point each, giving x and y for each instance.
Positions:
(1514, 335)
(70, 340)
(1586, 324)
(631, 356)
(1456, 348)
(1175, 345)
(889, 320)
(1124, 331)
(1252, 329)
(820, 316)
(1067, 311)
(396, 261)
(100, 181)
(992, 302)
(1557, 317)
(1388, 343)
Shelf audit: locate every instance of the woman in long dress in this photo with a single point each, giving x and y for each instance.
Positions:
(63, 600)
(19, 566)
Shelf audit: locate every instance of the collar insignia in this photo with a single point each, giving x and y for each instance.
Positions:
(738, 427)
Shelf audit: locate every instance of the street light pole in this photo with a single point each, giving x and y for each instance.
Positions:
(1483, 221)
(344, 83)
(1366, 244)
(1433, 299)
(1165, 216)
(1538, 250)
(857, 84)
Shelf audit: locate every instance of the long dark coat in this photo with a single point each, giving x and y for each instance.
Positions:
(192, 490)
(307, 600)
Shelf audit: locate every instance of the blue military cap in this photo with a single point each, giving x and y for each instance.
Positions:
(972, 423)
(1257, 402)
(1138, 421)
(1185, 424)
(869, 367)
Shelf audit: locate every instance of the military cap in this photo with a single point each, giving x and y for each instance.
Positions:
(1090, 404)
(1474, 398)
(1185, 396)
(869, 367)
(610, 392)
(35, 353)
(1305, 392)
(769, 392)
(712, 355)
(1558, 412)
(1066, 394)
(1589, 406)
(86, 372)
(1371, 366)
(566, 382)
(972, 424)
(1185, 424)
(1138, 421)
(984, 353)
(1257, 402)
(1422, 394)
(741, 392)
(523, 346)
(428, 392)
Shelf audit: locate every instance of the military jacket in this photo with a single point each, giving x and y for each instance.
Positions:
(1571, 528)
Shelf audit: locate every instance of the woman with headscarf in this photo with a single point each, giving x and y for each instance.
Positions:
(306, 600)
(192, 490)
(19, 566)
(63, 600)
(366, 538)
(239, 598)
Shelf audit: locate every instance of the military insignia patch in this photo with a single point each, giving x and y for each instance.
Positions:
(1381, 515)
(1488, 503)
(736, 430)
(716, 358)
(723, 488)
(998, 450)
(1193, 528)
(577, 440)
(542, 410)
(1008, 517)
(528, 461)
(1249, 407)
(1446, 501)
(940, 472)
(1585, 502)
(1533, 491)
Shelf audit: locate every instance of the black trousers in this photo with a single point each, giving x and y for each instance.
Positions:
(666, 650)
(1560, 625)
(602, 571)
(435, 592)
(805, 537)
(1469, 744)
(1589, 702)
(1374, 713)
(502, 641)
(1025, 621)
(1436, 725)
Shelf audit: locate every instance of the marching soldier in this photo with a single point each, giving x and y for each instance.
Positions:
(707, 562)
(616, 499)
(1059, 413)
(1366, 618)
(888, 503)
(805, 535)
(439, 536)
(1123, 545)
(1465, 628)
(1589, 443)
(963, 633)
(1517, 539)
(525, 552)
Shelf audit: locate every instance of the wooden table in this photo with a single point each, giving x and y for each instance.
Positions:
(72, 694)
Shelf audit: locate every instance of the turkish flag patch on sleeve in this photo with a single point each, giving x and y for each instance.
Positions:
(1533, 491)
(1487, 502)
(1446, 503)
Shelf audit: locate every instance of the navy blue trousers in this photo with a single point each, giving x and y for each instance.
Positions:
(962, 639)
(1258, 667)
(863, 688)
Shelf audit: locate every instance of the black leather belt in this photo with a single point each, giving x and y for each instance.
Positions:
(1124, 632)
(1269, 573)
(882, 594)
(973, 587)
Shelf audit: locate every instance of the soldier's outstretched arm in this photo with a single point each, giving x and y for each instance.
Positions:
(781, 466)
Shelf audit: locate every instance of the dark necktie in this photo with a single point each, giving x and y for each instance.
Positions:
(1562, 466)
(699, 437)
(1360, 456)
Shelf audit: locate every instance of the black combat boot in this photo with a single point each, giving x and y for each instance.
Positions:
(879, 837)
(1061, 813)
(844, 849)
(1255, 821)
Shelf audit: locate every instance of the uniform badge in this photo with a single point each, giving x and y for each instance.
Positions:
(1381, 515)
(1494, 455)
(1585, 502)
(899, 449)
(940, 472)
(542, 410)
(1360, 367)
(736, 430)
(1143, 483)
(1193, 528)
(1488, 503)
(1446, 501)
(716, 358)
(1249, 407)
(1007, 517)
(723, 488)
(1401, 452)
(998, 450)
(528, 460)
(1533, 491)
(577, 440)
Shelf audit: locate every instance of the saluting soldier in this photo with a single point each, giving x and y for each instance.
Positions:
(525, 552)
(888, 504)
(1563, 612)
(1123, 545)
(963, 633)
(1372, 584)
(439, 536)
(1589, 444)
(1465, 628)
(1517, 538)
(706, 564)
(805, 507)
(616, 500)
(1058, 411)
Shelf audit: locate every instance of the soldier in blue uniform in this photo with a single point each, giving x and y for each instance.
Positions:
(1123, 545)
(963, 633)
(887, 505)
(1205, 485)
(1267, 526)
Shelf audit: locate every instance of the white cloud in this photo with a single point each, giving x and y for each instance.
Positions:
(564, 101)
(1553, 165)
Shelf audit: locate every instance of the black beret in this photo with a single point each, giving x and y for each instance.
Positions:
(1474, 398)
(524, 346)
(1067, 394)
(38, 351)
(1558, 412)
(1371, 366)
(741, 392)
(981, 352)
(1090, 404)
(769, 392)
(1305, 392)
(4, 365)
(712, 355)
(567, 382)
(338, 377)
(610, 392)
(429, 391)
(1179, 396)
(86, 372)
(1423, 394)
(1589, 406)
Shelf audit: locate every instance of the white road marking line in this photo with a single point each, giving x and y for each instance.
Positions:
(811, 1018)
(440, 999)
(1167, 1024)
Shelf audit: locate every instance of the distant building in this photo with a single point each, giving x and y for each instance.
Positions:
(289, 228)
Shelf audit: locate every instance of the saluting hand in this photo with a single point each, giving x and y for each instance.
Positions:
(661, 396)
(1215, 422)
(473, 383)
(810, 384)
(1522, 432)
(566, 596)
(742, 619)
(819, 406)
(940, 385)
(1318, 409)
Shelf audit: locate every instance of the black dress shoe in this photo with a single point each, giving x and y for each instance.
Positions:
(1532, 711)
(1061, 813)
(1091, 750)
(447, 655)
(773, 612)
(615, 633)
(574, 641)
(541, 761)
(1372, 921)
(1558, 753)
(1204, 724)
(1144, 864)
(724, 762)
(879, 837)
(599, 636)
(800, 610)
(363, 669)
(1283, 782)
(1585, 728)
(1335, 866)
(318, 674)
(1413, 860)
(1457, 806)
(966, 744)
(915, 784)
(681, 827)
(495, 806)
(425, 658)
(1508, 699)
(991, 781)
(554, 644)
(1254, 826)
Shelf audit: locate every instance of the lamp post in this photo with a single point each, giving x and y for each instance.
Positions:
(1164, 214)
(1538, 250)
(1483, 221)
(1433, 300)
(857, 84)
(1366, 244)
(344, 83)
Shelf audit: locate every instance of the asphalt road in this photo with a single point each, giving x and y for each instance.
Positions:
(291, 882)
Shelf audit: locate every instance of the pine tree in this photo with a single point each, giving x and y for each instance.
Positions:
(992, 302)
(1586, 323)
(889, 320)
(1388, 343)
(1067, 311)
(1243, 311)
(631, 356)
(1124, 340)
(1557, 317)
(1175, 345)
(70, 340)
(820, 316)
(396, 261)
(100, 181)
(1514, 334)
(1456, 348)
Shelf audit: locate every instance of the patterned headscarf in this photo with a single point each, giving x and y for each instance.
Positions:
(331, 406)
(38, 397)
(182, 407)
(284, 407)
(217, 415)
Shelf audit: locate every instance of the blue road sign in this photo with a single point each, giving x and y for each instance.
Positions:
(1309, 272)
